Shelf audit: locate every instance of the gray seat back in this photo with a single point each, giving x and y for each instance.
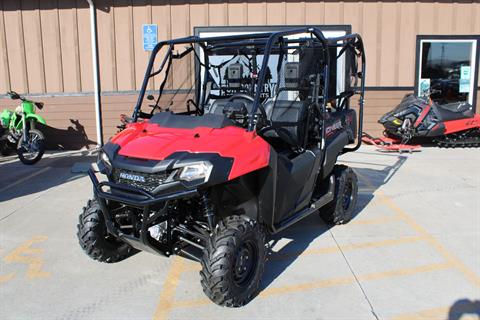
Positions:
(289, 115)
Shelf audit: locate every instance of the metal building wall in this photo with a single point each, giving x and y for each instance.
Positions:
(45, 44)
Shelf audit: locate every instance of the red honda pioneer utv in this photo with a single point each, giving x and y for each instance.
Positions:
(210, 172)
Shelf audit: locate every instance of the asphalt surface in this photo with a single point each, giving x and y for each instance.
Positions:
(411, 252)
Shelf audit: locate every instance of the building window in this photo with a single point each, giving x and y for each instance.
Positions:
(447, 68)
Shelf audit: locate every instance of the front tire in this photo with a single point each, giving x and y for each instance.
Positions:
(342, 207)
(33, 151)
(94, 238)
(233, 262)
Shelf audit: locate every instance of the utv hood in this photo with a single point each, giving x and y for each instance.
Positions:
(151, 141)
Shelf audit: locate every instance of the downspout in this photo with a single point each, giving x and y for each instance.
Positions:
(96, 73)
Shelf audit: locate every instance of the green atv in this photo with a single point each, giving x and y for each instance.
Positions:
(18, 130)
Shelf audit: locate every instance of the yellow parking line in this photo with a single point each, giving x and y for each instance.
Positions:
(327, 283)
(168, 292)
(25, 254)
(19, 181)
(190, 267)
(7, 277)
(194, 266)
(348, 280)
(469, 274)
(349, 247)
(379, 220)
(190, 303)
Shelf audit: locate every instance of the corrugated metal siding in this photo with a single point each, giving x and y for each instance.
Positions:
(45, 45)
(73, 118)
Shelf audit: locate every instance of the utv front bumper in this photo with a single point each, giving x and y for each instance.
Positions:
(134, 196)
(131, 196)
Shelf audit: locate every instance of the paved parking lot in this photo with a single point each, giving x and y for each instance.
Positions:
(411, 252)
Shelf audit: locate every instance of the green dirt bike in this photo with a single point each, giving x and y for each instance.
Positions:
(18, 130)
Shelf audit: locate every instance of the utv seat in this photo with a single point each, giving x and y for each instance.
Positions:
(234, 76)
(288, 118)
(219, 105)
(453, 111)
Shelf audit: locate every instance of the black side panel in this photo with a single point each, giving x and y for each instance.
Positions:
(267, 181)
(334, 148)
(291, 182)
(309, 183)
(239, 196)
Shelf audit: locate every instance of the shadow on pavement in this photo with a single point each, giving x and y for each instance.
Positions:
(464, 307)
(306, 231)
(18, 180)
(73, 138)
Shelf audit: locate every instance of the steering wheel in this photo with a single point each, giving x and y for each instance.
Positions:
(241, 96)
(250, 98)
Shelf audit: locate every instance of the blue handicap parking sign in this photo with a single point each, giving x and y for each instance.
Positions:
(149, 32)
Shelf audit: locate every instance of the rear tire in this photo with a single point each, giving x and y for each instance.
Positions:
(94, 238)
(340, 210)
(39, 140)
(233, 262)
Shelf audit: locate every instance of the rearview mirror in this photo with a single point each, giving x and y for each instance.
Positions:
(13, 95)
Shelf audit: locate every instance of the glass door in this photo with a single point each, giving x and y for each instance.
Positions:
(447, 69)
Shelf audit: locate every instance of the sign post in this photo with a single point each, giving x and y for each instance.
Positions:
(149, 35)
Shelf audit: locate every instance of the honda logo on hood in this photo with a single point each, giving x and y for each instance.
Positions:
(132, 177)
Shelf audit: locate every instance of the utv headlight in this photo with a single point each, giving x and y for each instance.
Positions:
(103, 162)
(196, 171)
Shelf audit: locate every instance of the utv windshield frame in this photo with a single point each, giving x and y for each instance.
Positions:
(268, 40)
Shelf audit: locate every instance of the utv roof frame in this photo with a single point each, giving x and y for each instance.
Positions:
(270, 38)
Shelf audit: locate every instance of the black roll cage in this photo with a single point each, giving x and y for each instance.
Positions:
(269, 38)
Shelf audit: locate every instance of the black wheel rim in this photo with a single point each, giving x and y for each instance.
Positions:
(245, 264)
(347, 195)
